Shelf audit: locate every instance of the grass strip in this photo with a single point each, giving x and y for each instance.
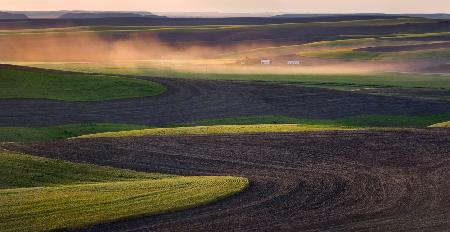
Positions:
(40, 194)
(31, 134)
(219, 129)
(18, 84)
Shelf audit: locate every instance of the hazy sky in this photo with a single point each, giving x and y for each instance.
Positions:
(253, 6)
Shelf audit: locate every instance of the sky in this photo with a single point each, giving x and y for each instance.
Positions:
(236, 6)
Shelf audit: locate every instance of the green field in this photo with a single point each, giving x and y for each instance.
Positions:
(40, 194)
(28, 134)
(24, 171)
(334, 81)
(283, 124)
(219, 129)
(260, 122)
(339, 81)
(352, 54)
(72, 87)
(361, 121)
(442, 124)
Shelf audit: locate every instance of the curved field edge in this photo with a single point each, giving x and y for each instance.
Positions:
(19, 170)
(333, 81)
(219, 129)
(193, 28)
(335, 46)
(71, 206)
(34, 134)
(17, 83)
(29, 134)
(442, 124)
(360, 121)
(281, 124)
(44, 194)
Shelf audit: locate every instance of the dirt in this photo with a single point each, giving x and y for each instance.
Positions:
(322, 181)
(421, 93)
(189, 100)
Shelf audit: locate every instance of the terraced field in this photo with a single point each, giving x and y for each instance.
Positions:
(339, 181)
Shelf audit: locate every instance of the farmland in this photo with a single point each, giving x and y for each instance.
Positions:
(192, 99)
(255, 124)
(361, 121)
(160, 124)
(317, 180)
(442, 124)
(64, 194)
(341, 81)
(28, 134)
(218, 129)
(69, 87)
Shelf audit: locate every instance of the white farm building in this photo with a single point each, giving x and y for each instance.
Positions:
(266, 61)
(293, 62)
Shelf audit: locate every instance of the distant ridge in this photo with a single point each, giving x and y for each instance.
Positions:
(94, 15)
(430, 16)
(212, 15)
(164, 21)
(81, 14)
(6, 15)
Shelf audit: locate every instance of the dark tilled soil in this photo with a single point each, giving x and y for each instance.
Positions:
(324, 181)
(413, 93)
(188, 100)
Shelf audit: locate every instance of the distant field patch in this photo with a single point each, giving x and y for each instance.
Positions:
(72, 87)
(24, 171)
(376, 49)
(29, 134)
(245, 124)
(219, 129)
(442, 124)
(333, 81)
(39, 194)
(199, 28)
(361, 121)
(332, 48)
(351, 54)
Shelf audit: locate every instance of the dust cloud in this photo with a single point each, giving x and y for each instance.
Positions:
(151, 52)
(94, 48)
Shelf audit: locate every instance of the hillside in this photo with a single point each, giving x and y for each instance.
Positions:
(5, 15)
(94, 15)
